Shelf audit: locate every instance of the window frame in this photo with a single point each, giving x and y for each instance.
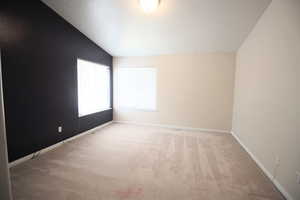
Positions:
(110, 87)
(128, 108)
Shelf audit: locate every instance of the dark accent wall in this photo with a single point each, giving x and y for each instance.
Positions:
(39, 55)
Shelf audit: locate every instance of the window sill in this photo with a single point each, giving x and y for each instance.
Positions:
(84, 115)
(138, 110)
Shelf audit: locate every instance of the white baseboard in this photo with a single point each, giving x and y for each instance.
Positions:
(173, 127)
(42, 151)
(262, 167)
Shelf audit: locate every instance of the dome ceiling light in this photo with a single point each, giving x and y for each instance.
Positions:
(149, 5)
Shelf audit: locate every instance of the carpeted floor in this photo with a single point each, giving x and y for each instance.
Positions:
(127, 162)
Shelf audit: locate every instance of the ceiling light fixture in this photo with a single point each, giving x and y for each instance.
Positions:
(149, 5)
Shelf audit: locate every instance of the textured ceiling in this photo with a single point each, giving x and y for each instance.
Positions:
(178, 26)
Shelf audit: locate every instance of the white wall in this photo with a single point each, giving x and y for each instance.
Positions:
(193, 90)
(267, 103)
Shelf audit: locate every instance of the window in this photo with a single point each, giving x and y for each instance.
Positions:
(93, 87)
(137, 87)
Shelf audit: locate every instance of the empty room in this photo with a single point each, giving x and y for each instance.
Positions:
(150, 100)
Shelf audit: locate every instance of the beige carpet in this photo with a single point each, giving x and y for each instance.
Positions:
(127, 162)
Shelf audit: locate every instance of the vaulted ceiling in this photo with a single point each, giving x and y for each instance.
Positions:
(177, 26)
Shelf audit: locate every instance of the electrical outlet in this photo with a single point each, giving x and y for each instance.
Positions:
(59, 129)
(298, 177)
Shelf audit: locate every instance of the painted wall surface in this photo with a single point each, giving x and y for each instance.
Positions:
(267, 103)
(193, 90)
(39, 56)
(5, 185)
